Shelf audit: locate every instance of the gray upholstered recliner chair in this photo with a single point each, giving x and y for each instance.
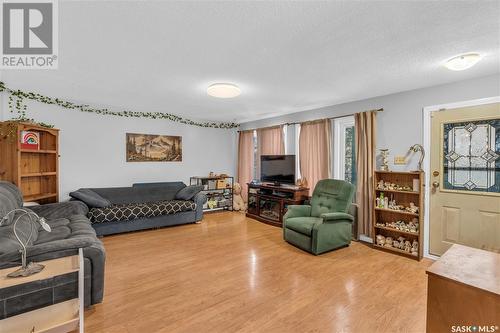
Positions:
(325, 224)
(71, 230)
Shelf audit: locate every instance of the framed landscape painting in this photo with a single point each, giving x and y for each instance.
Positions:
(153, 148)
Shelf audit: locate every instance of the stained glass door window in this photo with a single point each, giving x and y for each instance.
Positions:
(471, 152)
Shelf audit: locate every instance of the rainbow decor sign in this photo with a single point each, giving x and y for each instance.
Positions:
(30, 140)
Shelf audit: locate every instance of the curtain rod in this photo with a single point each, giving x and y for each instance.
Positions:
(300, 122)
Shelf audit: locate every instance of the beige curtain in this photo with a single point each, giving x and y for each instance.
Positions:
(315, 141)
(365, 127)
(269, 142)
(245, 161)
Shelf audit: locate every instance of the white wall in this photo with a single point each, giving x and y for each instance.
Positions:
(92, 148)
(400, 125)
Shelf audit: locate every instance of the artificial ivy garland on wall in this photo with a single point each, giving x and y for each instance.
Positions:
(17, 103)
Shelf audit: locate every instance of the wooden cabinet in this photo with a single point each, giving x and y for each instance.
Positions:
(268, 203)
(402, 189)
(33, 168)
(463, 293)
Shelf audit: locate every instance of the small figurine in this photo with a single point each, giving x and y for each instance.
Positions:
(412, 209)
(407, 246)
(382, 200)
(380, 240)
(413, 225)
(401, 225)
(401, 241)
(212, 203)
(392, 204)
(388, 241)
(395, 244)
(414, 248)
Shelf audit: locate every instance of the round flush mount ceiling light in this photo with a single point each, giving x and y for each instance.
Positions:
(223, 90)
(462, 61)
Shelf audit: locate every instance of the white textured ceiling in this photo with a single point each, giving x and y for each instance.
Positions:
(285, 56)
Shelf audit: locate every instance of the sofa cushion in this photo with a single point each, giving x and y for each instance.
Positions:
(160, 191)
(90, 198)
(75, 226)
(140, 193)
(188, 192)
(10, 198)
(8, 240)
(127, 212)
(303, 225)
(57, 233)
(60, 229)
(55, 223)
(331, 195)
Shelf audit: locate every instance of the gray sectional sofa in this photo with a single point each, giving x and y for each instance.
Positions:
(71, 230)
(142, 206)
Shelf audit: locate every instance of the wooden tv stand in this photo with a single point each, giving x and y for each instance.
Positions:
(268, 203)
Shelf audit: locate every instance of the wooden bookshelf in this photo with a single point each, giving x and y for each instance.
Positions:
(402, 197)
(34, 171)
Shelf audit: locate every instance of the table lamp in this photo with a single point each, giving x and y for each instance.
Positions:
(33, 218)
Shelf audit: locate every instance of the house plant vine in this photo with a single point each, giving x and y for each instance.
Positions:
(17, 104)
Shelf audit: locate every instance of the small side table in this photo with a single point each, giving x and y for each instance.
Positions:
(66, 316)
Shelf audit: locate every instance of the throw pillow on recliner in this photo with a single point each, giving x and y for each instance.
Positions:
(188, 192)
(90, 198)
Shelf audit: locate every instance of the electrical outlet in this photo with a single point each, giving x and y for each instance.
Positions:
(399, 160)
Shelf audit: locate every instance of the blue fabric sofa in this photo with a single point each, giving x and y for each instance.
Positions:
(142, 206)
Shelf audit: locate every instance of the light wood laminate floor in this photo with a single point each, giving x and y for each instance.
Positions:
(234, 274)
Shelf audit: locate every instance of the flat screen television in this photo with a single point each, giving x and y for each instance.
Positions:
(277, 169)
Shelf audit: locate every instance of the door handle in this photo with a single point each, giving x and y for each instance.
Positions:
(435, 184)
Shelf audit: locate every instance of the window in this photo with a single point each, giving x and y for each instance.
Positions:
(471, 161)
(255, 165)
(285, 138)
(344, 157)
(297, 152)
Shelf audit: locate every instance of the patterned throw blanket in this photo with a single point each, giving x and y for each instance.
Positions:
(127, 212)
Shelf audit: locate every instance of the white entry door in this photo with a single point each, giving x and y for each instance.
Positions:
(465, 178)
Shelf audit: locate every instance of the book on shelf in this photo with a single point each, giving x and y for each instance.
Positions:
(212, 185)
